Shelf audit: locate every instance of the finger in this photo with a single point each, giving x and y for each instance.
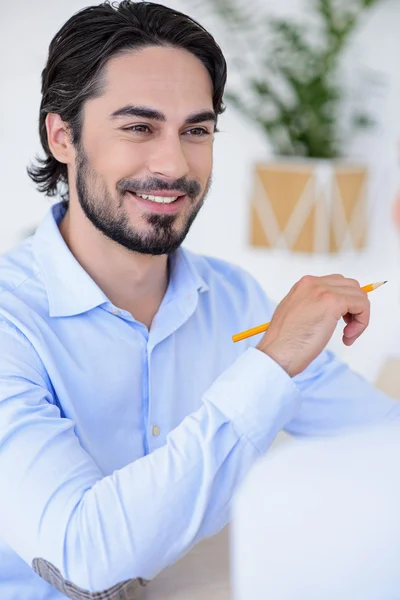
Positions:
(356, 325)
(348, 290)
(353, 303)
(349, 341)
(353, 283)
(339, 280)
(347, 318)
(353, 330)
(333, 277)
(359, 308)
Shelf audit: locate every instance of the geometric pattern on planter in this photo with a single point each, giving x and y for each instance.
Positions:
(309, 206)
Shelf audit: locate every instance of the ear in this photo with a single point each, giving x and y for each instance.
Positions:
(59, 140)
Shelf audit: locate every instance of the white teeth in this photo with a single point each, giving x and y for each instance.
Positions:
(158, 199)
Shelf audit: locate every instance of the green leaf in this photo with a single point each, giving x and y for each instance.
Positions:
(288, 72)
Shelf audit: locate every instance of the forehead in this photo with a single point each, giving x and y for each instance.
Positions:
(158, 75)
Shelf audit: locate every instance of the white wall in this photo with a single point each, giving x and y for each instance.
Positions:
(26, 30)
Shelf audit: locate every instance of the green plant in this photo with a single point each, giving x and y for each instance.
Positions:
(288, 73)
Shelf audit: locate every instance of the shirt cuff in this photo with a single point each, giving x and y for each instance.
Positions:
(257, 396)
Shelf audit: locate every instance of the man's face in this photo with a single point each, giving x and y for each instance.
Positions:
(149, 134)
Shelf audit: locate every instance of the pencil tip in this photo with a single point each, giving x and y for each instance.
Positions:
(385, 282)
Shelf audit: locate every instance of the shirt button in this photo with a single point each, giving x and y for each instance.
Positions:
(155, 431)
(115, 311)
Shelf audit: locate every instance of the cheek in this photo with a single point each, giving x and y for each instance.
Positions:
(117, 159)
(200, 163)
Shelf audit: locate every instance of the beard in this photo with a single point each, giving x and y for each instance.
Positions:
(113, 222)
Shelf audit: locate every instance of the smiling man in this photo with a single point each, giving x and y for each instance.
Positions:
(128, 418)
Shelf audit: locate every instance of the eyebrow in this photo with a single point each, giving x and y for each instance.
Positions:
(145, 112)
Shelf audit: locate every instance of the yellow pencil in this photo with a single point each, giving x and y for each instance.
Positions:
(261, 328)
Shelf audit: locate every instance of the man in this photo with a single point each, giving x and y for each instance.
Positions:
(127, 415)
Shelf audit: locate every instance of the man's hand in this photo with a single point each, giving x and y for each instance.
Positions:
(305, 320)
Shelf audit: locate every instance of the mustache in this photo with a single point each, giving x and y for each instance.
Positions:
(191, 187)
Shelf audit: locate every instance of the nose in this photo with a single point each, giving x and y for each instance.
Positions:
(167, 158)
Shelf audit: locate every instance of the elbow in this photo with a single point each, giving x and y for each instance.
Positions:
(89, 559)
(126, 589)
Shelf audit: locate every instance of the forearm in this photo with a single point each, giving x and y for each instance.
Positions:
(99, 531)
(335, 398)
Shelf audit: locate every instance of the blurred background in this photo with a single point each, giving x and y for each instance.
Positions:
(306, 164)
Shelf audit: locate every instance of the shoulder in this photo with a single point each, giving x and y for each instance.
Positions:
(19, 273)
(17, 266)
(21, 284)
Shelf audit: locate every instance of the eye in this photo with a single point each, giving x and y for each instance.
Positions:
(198, 132)
(138, 128)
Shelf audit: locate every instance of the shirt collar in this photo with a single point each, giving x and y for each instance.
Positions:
(71, 290)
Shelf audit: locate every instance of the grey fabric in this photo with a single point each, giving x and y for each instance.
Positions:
(126, 590)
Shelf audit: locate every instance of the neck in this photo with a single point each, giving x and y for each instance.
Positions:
(131, 281)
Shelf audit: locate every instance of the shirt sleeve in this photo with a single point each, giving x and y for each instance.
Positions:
(335, 398)
(95, 536)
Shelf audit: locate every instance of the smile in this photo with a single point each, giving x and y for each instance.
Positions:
(158, 199)
(159, 204)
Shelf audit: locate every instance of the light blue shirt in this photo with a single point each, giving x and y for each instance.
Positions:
(120, 447)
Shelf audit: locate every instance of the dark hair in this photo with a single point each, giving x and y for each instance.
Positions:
(78, 54)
